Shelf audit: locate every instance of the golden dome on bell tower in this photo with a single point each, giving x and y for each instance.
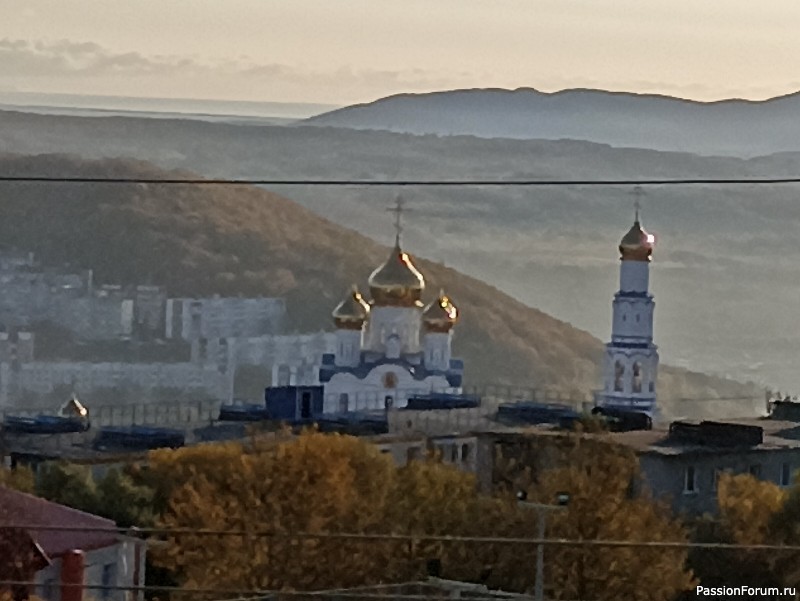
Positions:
(637, 244)
(351, 313)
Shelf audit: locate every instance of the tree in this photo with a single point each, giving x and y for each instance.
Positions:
(606, 503)
(19, 478)
(314, 483)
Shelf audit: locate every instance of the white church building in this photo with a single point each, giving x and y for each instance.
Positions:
(631, 358)
(391, 346)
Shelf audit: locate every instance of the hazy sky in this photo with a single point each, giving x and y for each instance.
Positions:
(344, 51)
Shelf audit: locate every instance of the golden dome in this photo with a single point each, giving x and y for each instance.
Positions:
(441, 315)
(351, 312)
(397, 282)
(637, 244)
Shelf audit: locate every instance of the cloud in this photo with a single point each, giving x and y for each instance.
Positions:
(75, 60)
(65, 57)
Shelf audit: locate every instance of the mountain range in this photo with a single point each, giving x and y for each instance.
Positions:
(730, 127)
(724, 272)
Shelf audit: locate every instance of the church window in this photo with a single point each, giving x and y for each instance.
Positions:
(464, 452)
(637, 377)
(343, 402)
(390, 380)
(388, 402)
(619, 373)
(624, 317)
(652, 386)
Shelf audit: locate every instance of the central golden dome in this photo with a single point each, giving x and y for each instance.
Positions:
(637, 244)
(397, 282)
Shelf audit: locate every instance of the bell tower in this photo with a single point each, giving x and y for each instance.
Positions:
(631, 358)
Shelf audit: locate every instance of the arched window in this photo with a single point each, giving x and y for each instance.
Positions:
(636, 382)
(619, 373)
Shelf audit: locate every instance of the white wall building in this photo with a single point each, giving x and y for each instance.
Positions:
(631, 358)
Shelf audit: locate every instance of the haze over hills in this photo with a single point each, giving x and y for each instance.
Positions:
(725, 270)
(730, 127)
(243, 240)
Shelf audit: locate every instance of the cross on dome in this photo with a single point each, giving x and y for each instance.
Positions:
(638, 192)
(398, 209)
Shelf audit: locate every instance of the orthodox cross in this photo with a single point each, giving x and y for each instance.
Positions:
(638, 192)
(398, 209)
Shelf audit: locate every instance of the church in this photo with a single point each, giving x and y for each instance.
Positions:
(631, 358)
(390, 346)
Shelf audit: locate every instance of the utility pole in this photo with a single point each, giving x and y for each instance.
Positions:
(542, 511)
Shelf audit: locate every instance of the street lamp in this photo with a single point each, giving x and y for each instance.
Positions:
(542, 509)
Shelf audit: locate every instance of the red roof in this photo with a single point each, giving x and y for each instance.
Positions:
(28, 511)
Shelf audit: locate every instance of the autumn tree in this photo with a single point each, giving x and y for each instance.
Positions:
(19, 478)
(313, 484)
(607, 503)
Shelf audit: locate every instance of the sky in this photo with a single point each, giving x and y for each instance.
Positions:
(348, 51)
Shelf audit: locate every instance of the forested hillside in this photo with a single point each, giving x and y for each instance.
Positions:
(243, 240)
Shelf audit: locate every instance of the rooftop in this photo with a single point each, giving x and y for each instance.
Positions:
(36, 514)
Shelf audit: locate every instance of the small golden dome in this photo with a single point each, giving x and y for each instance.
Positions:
(351, 313)
(397, 282)
(637, 244)
(441, 315)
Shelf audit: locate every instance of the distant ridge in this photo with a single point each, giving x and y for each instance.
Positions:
(736, 127)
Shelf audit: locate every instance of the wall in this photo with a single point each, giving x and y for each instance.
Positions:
(127, 569)
(665, 475)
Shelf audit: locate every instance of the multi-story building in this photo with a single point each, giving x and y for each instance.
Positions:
(193, 319)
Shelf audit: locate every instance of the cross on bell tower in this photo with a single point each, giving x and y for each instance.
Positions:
(637, 192)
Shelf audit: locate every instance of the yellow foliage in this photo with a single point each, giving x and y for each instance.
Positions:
(601, 478)
(20, 478)
(747, 506)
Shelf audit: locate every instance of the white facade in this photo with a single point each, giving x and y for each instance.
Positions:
(631, 358)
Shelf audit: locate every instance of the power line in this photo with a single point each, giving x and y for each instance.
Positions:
(354, 593)
(752, 181)
(390, 537)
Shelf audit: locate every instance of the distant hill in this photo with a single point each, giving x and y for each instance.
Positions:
(232, 240)
(729, 127)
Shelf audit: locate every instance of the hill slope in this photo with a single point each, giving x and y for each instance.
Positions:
(201, 240)
(730, 127)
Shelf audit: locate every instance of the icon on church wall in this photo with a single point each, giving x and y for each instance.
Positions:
(390, 380)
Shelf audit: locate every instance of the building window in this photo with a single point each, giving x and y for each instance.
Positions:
(637, 377)
(619, 373)
(108, 580)
(454, 453)
(754, 470)
(465, 452)
(786, 474)
(690, 480)
(412, 454)
(652, 387)
(343, 402)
